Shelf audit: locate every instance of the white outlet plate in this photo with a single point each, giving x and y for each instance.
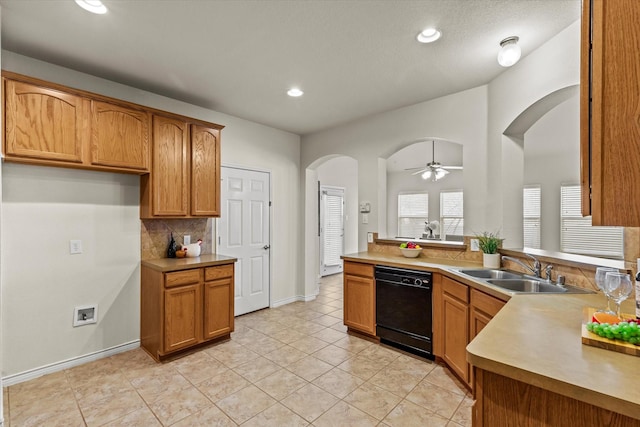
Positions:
(187, 239)
(365, 218)
(369, 237)
(475, 245)
(75, 247)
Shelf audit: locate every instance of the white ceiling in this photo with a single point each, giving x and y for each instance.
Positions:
(352, 58)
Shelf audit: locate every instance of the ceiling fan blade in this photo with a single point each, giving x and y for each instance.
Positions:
(420, 171)
(452, 167)
(413, 169)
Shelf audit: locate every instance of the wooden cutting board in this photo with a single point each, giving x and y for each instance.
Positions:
(589, 338)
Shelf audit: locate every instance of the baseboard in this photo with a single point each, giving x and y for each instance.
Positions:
(303, 298)
(66, 364)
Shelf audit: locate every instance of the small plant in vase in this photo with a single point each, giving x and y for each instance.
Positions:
(489, 244)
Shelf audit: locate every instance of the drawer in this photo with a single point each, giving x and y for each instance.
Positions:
(184, 277)
(213, 273)
(357, 269)
(455, 289)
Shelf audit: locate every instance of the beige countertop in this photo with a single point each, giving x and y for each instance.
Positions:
(536, 339)
(175, 264)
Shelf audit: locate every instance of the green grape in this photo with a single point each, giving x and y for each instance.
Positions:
(626, 336)
(634, 340)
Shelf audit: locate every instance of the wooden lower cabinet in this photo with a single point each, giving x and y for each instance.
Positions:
(359, 298)
(182, 309)
(459, 314)
(455, 321)
(505, 402)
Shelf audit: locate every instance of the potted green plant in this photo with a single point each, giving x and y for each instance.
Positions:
(489, 244)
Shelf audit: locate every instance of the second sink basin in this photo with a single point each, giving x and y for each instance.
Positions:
(491, 274)
(526, 285)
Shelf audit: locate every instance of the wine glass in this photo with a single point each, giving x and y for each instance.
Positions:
(600, 278)
(618, 287)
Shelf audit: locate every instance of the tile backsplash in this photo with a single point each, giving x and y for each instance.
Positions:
(156, 233)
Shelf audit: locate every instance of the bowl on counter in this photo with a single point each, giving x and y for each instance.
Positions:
(410, 253)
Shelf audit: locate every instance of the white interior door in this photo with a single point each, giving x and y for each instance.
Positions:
(243, 233)
(331, 229)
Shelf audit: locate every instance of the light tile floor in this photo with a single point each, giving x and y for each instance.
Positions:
(293, 365)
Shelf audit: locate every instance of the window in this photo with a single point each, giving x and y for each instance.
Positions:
(531, 214)
(413, 212)
(578, 236)
(451, 209)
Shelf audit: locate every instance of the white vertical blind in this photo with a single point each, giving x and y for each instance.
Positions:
(531, 216)
(333, 228)
(451, 213)
(578, 236)
(413, 212)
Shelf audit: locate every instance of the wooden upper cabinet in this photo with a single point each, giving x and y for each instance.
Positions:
(119, 136)
(610, 111)
(170, 172)
(205, 171)
(42, 123)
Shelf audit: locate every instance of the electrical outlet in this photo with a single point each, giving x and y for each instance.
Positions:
(475, 245)
(75, 247)
(369, 237)
(187, 239)
(365, 218)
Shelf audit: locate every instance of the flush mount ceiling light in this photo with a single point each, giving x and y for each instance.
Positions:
(93, 6)
(295, 92)
(428, 35)
(509, 52)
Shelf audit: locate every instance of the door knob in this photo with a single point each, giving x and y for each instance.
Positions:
(266, 247)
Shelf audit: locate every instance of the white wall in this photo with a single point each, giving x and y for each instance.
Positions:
(552, 158)
(38, 265)
(553, 66)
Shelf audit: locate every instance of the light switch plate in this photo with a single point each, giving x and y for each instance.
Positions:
(475, 245)
(186, 239)
(75, 247)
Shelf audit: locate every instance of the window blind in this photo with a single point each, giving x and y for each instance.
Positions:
(333, 228)
(451, 213)
(531, 216)
(413, 211)
(578, 236)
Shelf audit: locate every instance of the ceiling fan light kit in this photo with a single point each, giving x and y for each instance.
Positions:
(434, 170)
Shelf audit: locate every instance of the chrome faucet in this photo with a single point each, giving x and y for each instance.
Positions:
(536, 270)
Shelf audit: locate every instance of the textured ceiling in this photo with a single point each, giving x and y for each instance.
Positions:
(352, 58)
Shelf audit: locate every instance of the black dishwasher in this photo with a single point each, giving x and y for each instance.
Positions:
(403, 309)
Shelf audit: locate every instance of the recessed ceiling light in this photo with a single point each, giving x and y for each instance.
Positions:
(93, 6)
(295, 92)
(428, 35)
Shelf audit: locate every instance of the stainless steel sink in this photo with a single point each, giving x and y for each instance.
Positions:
(527, 285)
(491, 274)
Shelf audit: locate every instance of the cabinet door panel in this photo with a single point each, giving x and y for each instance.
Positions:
(456, 334)
(119, 136)
(170, 167)
(182, 317)
(218, 308)
(43, 123)
(359, 303)
(205, 171)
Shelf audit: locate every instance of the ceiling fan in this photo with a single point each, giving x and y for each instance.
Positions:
(434, 170)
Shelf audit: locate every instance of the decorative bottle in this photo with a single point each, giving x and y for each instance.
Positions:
(173, 247)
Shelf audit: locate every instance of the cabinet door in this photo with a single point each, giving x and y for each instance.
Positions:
(359, 303)
(170, 172)
(43, 123)
(119, 136)
(218, 307)
(205, 171)
(182, 317)
(612, 135)
(455, 317)
(483, 309)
